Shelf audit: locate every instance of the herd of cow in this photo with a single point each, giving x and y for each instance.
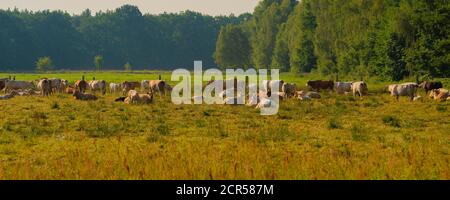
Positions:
(129, 90)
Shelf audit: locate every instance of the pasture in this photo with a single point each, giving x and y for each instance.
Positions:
(336, 137)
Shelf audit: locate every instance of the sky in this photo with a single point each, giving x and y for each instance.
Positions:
(210, 7)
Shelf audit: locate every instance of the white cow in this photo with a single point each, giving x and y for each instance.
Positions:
(405, 89)
(343, 87)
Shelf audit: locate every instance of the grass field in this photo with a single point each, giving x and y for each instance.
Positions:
(336, 137)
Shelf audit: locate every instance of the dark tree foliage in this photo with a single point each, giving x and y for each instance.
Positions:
(391, 39)
(164, 41)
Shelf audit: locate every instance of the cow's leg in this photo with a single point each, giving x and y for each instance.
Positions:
(397, 97)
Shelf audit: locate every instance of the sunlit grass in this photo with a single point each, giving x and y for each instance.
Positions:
(337, 137)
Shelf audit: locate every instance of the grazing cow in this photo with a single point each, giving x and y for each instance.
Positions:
(405, 89)
(127, 86)
(289, 89)
(56, 85)
(440, 94)
(18, 85)
(98, 85)
(159, 86)
(359, 88)
(134, 97)
(45, 86)
(115, 87)
(343, 87)
(81, 86)
(320, 85)
(8, 96)
(78, 95)
(428, 86)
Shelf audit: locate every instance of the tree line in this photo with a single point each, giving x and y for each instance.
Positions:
(391, 39)
(110, 40)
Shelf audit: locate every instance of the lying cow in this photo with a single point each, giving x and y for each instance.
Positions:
(45, 86)
(440, 94)
(78, 95)
(18, 85)
(428, 86)
(8, 96)
(320, 85)
(405, 89)
(98, 85)
(134, 97)
(343, 87)
(359, 88)
(302, 95)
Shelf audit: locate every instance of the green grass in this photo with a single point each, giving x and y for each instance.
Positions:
(336, 137)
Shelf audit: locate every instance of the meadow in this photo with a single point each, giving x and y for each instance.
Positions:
(336, 137)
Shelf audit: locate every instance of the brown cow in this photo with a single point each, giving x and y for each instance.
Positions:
(130, 85)
(320, 85)
(428, 86)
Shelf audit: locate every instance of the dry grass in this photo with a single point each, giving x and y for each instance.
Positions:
(337, 137)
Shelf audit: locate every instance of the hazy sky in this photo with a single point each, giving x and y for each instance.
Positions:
(211, 7)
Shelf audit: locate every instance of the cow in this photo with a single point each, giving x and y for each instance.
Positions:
(134, 97)
(145, 85)
(56, 85)
(320, 85)
(302, 95)
(159, 86)
(269, 86)
(8, 96)
(289, 89)
(359, 88)
(264, 103)
(64, 84)
(405, 89)
(45, 86)
(78, 95)
(2, 84)
(18, 85)
(428, 86)
(70, 90)
(81, 85)
(343, 87)
(130, 85)
(98, 85)
(115, 87)
(440, 94)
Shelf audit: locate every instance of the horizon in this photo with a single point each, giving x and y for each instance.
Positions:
(153, 7)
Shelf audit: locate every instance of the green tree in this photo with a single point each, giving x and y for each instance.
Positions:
(232, 48)
(44, 64)
(128, 67)
(98, 62)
